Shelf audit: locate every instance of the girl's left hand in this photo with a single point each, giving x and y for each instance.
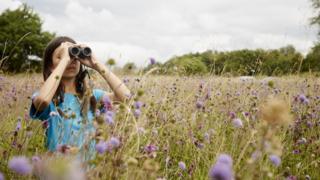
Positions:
(91, 62)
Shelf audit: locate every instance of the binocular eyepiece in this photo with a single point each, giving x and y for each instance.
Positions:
(79, 52)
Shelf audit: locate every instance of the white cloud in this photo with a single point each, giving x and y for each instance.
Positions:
(5, 4)
(141, 29)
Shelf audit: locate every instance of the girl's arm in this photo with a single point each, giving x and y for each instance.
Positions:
(120, 91)
(50, 86)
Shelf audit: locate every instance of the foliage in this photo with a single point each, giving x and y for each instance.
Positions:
(21, 35)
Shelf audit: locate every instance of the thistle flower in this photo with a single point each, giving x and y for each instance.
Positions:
(101, 147)
(114, 142)
(138, 104)
(232, 115)
(150, 148)
(303, 99)
(237, 123)
(199, 104)
(225, 159)
(18, 126)
(137, 113)
(275, 160)
(222, 170)
(1, 176)
(182, 165)
(152, 61)
(108, 119)
(21, 165)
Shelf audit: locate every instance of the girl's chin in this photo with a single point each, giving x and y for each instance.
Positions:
(69, 75)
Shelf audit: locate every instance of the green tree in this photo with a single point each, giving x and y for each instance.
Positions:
(316, 19)
(312, 60)
(21, 37)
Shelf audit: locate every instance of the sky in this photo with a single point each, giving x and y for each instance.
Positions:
(135, 30)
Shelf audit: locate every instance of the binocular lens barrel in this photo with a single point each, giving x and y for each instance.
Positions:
(74, 51)
(86, 51)
(79, 52)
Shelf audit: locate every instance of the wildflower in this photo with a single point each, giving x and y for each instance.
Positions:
(237, 123)
(114, 142)
(107, 103)
(150, 148)
(35, 159)
(1, 176)
(303, 99)
(152, 61)
(141, 130)
(232, 115)
(275, 160)
(101, 147)
(126, 80)
(182, 165)
(199, 104)
(18, 126)
(137, 113)
(226, 159)
(222, 170)
(138, 104)
(21, 165)
(108, 119)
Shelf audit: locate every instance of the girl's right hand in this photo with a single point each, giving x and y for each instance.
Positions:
(63, 51)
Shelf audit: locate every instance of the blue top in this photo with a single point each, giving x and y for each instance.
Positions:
(70, 131)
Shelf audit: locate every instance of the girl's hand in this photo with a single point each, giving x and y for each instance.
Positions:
(91, 62)
(63, 51)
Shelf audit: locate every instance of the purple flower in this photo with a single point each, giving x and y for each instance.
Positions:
(1, 176)
(225, 159)
(232, 115)
(138, 104)
(18, 127)
(101, 147)
(246, 114)
(107, 103)
(152, 61)
(150, 148)
(222, 170)
(237, 123)
(108, 119)
(275, 160)
(35, 159)
(21, 165)
(114, 142)
(182, 165)
(199, 104)
(126, 80)
(303, 99)
(137, 113)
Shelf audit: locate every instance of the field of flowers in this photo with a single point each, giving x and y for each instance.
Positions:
(176, 128)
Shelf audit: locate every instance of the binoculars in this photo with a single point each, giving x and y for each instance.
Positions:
(79, 52)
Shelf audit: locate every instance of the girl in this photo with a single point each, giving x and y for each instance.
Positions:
(67, 103)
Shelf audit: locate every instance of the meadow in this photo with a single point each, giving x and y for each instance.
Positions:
(197, 127)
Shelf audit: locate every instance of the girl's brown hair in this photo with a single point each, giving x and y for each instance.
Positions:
(81, 85)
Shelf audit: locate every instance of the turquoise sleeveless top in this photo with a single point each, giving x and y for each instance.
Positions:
(71, 131)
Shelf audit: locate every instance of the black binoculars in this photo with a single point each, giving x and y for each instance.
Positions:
(79, 52)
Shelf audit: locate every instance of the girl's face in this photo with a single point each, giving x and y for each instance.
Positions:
(71, 70)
